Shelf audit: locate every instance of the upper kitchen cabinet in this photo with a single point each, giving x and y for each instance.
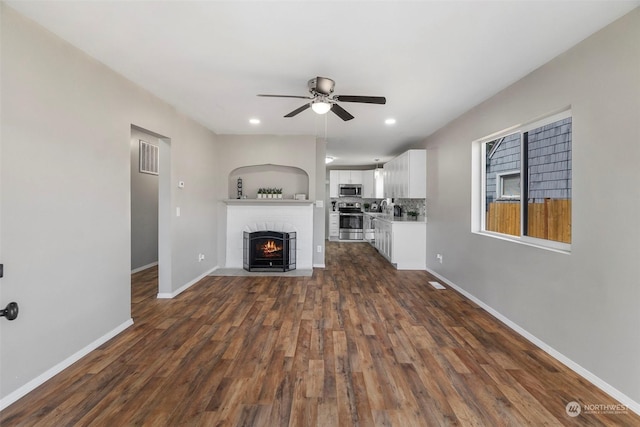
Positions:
(405, 177)
(372, 184)
(350, 177)
(338, 177)
(334, 177)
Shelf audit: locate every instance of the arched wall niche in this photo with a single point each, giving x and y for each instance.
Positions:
(291, 179)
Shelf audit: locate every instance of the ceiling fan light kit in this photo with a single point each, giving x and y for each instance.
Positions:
(320, 106)
(322, 100)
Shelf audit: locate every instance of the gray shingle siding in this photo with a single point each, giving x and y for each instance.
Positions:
(549, 150)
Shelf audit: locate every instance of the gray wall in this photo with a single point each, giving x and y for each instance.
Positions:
(292, 180)
(321, 194)
(65, 172)
(144, 206)
(584, 305)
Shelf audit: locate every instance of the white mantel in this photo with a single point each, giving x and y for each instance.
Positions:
(270, 214)
(272, 202)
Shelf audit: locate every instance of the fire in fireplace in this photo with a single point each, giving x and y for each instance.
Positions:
(269, 250)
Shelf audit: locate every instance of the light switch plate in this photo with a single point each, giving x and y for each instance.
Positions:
(319, 203)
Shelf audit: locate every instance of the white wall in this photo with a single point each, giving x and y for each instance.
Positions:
(585, 305)
(65, 173)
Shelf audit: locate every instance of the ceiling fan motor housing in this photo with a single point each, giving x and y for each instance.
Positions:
(321, 85)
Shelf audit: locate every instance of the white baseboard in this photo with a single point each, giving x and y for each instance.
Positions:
(319, 266)
(164, 295)
(50, 373)
(144, 267)
(589, 376)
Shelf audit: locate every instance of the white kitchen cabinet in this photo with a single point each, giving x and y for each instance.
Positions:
(403, 243)
(350, 177)
(378, 177)
(368, 228)
(383, 238)
(405, 176)
(334, 225)
(337, 177)
(334, 178)
(372, 184)
(368, 185)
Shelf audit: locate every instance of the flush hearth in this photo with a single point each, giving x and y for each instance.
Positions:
(269, 251)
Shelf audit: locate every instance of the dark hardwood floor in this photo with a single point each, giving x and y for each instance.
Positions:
(359, 343)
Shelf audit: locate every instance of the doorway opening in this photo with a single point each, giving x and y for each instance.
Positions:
(150, 209)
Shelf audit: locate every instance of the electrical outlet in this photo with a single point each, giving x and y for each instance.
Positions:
(439, 258)
(200, 257)
(319, 249)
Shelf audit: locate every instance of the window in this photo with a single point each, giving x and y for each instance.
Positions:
(508, 186)
(526, 183)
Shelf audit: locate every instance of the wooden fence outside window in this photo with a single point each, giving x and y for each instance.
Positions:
(550, 220)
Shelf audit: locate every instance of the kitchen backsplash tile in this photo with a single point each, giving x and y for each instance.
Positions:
(416, 205)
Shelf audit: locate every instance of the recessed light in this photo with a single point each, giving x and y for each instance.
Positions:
(390, 122)
(254, 121)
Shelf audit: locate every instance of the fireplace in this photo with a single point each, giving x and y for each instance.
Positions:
(269, 250)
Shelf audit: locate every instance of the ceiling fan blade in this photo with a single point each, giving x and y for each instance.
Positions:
(362, 99)
(298, 110)
(286, 96)
(341, 112)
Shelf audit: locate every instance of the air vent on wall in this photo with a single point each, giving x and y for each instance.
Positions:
(149, 158)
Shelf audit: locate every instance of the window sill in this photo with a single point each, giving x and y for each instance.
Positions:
(562, 248)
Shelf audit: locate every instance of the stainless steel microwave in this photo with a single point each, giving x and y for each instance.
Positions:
(350, 190)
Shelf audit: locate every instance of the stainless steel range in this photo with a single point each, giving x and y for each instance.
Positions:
(351, 221)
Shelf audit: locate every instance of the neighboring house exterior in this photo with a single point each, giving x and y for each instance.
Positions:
(549, 164)
(550, 161)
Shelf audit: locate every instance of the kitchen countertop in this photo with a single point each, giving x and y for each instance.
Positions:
(389, 218)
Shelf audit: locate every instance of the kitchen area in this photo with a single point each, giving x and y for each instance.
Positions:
(385, 207)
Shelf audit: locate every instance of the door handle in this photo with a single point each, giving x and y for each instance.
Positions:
(10, 311)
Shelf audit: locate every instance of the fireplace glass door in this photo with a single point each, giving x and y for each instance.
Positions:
(269, 250)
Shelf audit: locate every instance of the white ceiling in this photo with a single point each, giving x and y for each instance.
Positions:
(433, 60)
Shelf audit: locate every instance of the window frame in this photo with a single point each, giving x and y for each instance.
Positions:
(479, 179)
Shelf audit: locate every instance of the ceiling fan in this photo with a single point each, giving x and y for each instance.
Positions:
(323, 100)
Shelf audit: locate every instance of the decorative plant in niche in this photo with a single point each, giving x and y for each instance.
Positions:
(269, 193)
(412, 215)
